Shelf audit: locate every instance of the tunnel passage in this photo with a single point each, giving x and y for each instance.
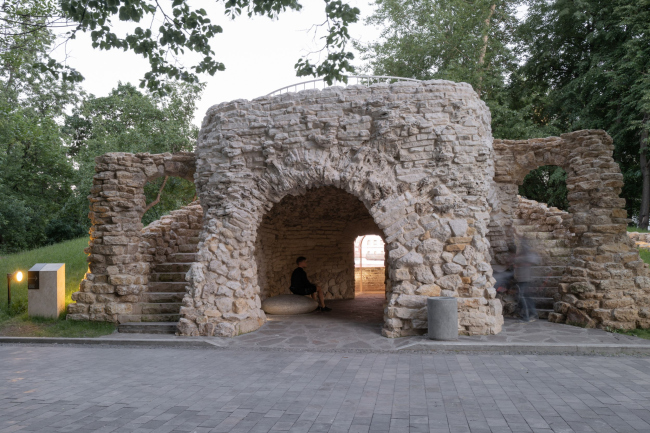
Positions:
(320, 225)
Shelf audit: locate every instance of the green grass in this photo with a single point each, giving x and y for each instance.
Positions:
(645, 255)
(641, 333)
(25, 326)
(70, 252)
(637, 229)
(14, 320)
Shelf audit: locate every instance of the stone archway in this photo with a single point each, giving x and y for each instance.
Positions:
(416, 154)
(321, 225)
(605, 283)
(118, 260)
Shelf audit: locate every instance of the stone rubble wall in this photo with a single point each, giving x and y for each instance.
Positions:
(118, 266)
(548, 231)
(606, 284)
(417, 155)
(305, 173)
(174, 233)
(641, 240)
(374, 279)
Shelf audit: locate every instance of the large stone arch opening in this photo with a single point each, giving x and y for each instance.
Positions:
(320, 224)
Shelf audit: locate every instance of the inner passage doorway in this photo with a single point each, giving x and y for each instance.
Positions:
(369, 265)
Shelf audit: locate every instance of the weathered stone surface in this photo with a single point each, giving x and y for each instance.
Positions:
(304, 173)
(582, 250)
(578, 317)
(289, 305)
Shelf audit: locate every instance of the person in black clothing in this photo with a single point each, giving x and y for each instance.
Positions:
(300, 285)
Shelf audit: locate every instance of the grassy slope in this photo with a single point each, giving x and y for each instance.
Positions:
(69, 252)
(16, 322)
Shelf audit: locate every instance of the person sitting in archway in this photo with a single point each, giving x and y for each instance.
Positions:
(300, 285)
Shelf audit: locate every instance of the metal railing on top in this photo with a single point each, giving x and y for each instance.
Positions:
(319, 83)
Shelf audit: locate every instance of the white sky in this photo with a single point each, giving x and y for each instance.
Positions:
(258, 53)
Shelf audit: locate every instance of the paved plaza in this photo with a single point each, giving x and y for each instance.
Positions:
(122, 389)
(355, 325)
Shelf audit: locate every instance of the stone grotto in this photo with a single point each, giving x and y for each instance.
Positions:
(306, 173)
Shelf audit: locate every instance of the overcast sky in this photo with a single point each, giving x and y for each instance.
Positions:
(259, 54)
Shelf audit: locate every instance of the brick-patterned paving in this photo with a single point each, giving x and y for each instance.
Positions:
(109, 389)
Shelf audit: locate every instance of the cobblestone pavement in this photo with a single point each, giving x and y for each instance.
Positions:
(356, 325)
(122, 389)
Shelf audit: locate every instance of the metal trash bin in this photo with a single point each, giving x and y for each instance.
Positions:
(442, 313)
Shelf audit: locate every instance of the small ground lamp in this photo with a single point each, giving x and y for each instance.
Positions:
(18, 276)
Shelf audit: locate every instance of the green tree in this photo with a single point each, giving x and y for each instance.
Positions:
(458, 40)
(587, 66)
(162, 31)
(475, 42)
(35, 174)
(128, 120)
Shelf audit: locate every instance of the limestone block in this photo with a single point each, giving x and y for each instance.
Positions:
(578, 317)
(458, 227)
(428, 290)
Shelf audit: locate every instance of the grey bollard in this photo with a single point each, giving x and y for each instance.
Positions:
(442, 313)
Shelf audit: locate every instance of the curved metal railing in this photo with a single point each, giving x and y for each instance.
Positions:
(319, 83)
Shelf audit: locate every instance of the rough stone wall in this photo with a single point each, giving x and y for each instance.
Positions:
(118, 267)
(321, 226)
(548, 230)
(417, 155)
(606, 284)
(374, 279)
(641, 240)
(174, 233)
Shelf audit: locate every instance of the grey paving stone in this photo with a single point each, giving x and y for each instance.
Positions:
(104, 389)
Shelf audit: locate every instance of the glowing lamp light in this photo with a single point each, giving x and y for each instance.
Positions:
(18, 276)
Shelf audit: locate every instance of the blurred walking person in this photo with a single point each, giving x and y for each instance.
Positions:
(525, 259)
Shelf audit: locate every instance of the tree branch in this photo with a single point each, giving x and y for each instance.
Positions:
(481, 58)
(157, 200)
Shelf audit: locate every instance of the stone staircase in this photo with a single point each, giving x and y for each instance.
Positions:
(555, 254)
(161, 303)
(171, 244)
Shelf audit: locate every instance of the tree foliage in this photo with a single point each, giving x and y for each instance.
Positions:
(567, 65)
(456, 40)
(163, 31)
(130, 121)
(35, 173)
(587, 66)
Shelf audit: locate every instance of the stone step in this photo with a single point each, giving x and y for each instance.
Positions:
(191, 248)
(542, 303)
(162, 297)
(172, 267)
(543, 313)
(182, 257)
(164, 277)
(557, 260)
(543, 281)
(542, 292)
(167, 286)
(160, 317)
(161, 308)
(147, 327)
